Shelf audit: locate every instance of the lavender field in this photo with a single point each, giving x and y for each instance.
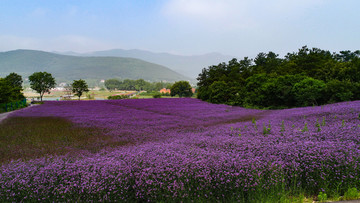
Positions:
(162, 150)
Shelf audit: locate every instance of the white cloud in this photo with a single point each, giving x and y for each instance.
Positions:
(238, 13)
(207, 12)
(197, 8)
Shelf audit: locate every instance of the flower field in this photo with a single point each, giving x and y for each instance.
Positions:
(189, 150)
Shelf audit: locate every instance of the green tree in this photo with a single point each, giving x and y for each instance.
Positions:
(128, 84)
(338, 91)
(14, 80)
(141, 84)
(79, 87)
(278, 91)
(309, 91)
(42, 82)
(254, 85)
(181, 88)
(112, 84)
(269, 81)
(219, 92)
(5, 91)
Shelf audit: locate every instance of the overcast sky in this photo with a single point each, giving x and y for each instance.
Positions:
(187, 27)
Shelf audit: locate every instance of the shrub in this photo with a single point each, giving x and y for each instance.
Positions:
(118, 97)
(351, 193)
(158, 95)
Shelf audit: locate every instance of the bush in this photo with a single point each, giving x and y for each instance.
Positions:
(181, 88)
(118, 97)
(352, 193)
(158, 95)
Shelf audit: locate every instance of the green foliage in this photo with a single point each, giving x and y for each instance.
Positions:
(309, 91)
(14, 80)
(157, 95)
(42, 82)
(79, 87)
(118, 97)
(266, 129)
(338, 91)
(307, 77)
(282, 126)
(253, 121)
(305, 129)
(181, 88)
(5, 91)
(322, 197)
(10, 88)
(138, 85)
(219, 92)
(11, 106)
(112, 84)
(351, 193)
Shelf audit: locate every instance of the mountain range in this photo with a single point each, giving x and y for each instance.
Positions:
(189, 66)
(67, 68)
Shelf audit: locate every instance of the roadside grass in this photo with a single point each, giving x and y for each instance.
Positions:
(34, 137)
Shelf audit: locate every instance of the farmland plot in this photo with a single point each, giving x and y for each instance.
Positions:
(186, 149)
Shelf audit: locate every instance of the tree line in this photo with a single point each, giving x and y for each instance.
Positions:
(180, 88)
(41, 82)
(135, 85)
(303, 78)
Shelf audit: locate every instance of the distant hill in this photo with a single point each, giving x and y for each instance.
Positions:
(68, 68)
(190, 66)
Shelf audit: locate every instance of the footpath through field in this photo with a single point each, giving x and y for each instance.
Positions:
(3, 116)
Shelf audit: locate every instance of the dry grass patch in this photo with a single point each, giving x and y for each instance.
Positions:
(33, 137)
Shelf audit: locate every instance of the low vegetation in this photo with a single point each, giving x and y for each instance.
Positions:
(118, 97)
(27, 138)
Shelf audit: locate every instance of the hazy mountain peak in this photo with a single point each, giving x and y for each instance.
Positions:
(190, 66)
(68, 68)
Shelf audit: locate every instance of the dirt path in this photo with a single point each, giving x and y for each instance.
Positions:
(3, 116)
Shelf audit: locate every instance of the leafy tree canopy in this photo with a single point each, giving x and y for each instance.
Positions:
(79, 87)
(181, 88)
(138, 85)
(112, 84)
(14, 80)
(42, 82)
(310, 76)
(10, 88)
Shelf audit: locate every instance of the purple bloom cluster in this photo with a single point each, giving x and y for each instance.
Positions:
(189, 149)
